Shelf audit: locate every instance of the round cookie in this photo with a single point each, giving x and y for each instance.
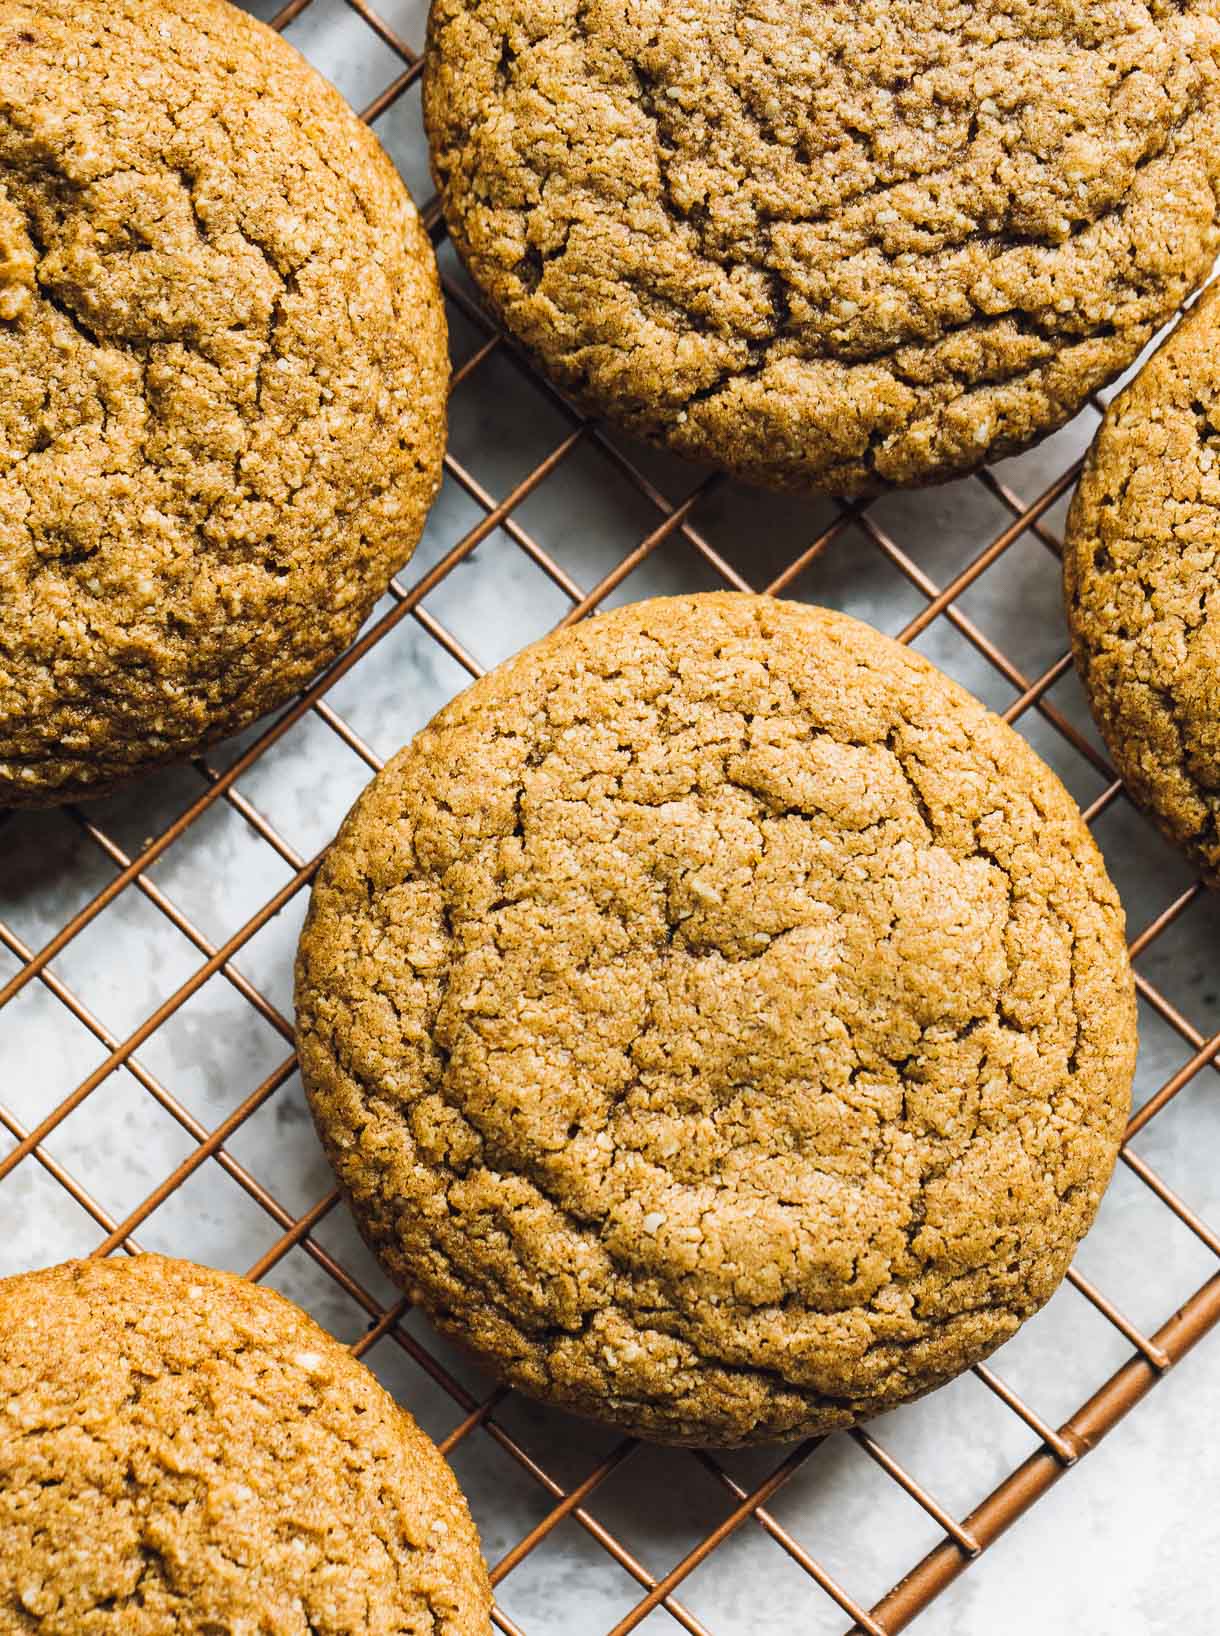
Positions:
(223, 370)
(181, 1451)
(1142, 584)
(719, 1020)
(834, 246)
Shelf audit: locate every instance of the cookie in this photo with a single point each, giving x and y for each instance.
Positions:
(1143, 589)
(830, 247)
(719, 1020)
(181, 1451)
(223, 369)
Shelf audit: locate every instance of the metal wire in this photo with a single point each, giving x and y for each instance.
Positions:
(1060, 1448)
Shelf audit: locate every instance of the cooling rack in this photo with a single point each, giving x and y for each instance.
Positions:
(148, 1091)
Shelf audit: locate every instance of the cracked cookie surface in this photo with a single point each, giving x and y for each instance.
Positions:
(832, 246)
(719, 1020)
(183, 1452)
(223, 369)
(1142, 584)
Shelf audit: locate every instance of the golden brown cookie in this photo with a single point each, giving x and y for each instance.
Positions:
(719, 1020)
(830, 246)
(1143, 588)
(223, 370)
(183, 1452)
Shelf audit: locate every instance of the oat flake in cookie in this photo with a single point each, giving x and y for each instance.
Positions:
(184, 1454)
(719, 1020)
(222, 382)
(831, 246)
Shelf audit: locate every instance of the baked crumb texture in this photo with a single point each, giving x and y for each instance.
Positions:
(185, 1454)
(1142, 587)
(833, 246)
(719, 1020)
(222, 382)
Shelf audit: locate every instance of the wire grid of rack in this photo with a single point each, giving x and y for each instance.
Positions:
(791, 550)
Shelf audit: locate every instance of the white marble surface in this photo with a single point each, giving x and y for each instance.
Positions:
(1127, 1542)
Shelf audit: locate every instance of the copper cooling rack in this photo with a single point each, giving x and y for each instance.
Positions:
(687, 531)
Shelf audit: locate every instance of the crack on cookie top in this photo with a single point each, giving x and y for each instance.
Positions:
(721, 977)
